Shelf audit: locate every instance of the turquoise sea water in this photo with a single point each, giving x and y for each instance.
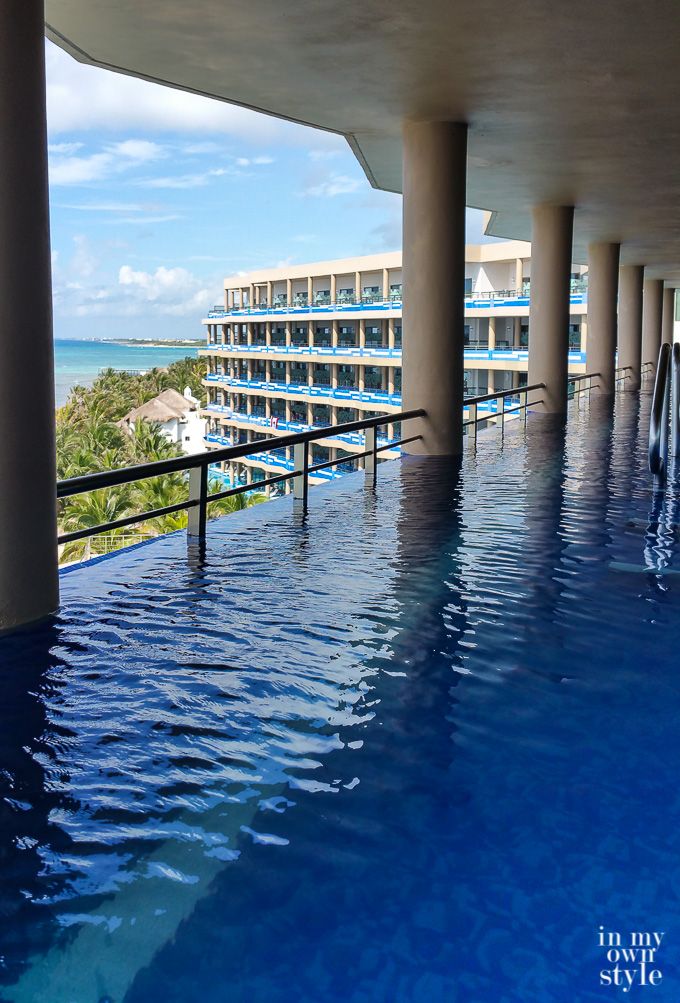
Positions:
(79, 362)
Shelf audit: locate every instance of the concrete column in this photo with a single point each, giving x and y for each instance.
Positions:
(434, 283)
(652, 307)
(334, 288)
(516, 332)
(584, 334)
(630, 323)
(668, 316)
(289, 334)
(490, 381)
(310, 290)
(385, 284)
(289, 292)
(603, 282)
(270, 296)
(28, 524)
(357, 286)
(362, 333)
(334, 333)
(552, 228)
(519, 275)
(492, 333)
(310, 333)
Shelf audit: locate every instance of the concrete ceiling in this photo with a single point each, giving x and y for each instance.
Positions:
(567, 103)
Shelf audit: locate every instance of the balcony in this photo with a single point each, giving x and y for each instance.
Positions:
(473, 351)
(371, 301)
(279, 424)
(305, 390)
(410, 712)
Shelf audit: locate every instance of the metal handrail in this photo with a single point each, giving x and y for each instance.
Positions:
(658, 418)
(197, 464)
(499, 415)
(675, 400)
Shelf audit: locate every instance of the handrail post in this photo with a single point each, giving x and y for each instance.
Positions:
(525, 395)
(473, 419)
(371, 446)
(198, 491)
(500, 413)
(301, 482)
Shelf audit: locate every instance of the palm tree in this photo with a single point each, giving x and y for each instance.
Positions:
(162, 492)
(147, 443)
(87, 511)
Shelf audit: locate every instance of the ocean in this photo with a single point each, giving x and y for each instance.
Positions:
(79, 362)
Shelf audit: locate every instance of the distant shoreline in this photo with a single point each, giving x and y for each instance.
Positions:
(140, 342)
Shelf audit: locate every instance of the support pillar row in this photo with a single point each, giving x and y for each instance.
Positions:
(28, 523)
(603, 281)
(630, 323)
(652, 307)
(434, 283)
(552, 228)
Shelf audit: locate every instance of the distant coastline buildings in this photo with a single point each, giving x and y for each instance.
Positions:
(314, 345)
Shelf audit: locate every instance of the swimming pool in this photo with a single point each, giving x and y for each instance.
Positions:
(418, 749)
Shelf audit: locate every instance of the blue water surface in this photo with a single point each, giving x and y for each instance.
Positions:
(416, 749)
(79, 362)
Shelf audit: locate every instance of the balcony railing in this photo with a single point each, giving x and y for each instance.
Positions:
(280, 423)
(306, 389)
(197, 466)
(578, 290)
(473, 351)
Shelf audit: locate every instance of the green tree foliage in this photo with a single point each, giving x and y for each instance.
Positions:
(89, 440)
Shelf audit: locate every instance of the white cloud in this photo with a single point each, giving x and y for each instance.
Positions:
(165, 292)
(84, 262)
(186, 180)
(175, 291)
(82, 97)
(114, 158)
(323, 154)
(143, 220)
(103, 206)
(336, 184)
(140, 151)
(200, 149)
(247, 161)
(63, 148)
(80, 170)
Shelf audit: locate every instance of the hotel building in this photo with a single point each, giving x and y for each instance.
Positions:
(314, 345)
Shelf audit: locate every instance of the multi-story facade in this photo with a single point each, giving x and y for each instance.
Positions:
(319, 344)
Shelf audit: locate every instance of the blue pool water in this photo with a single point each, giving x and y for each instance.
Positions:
(416, 750)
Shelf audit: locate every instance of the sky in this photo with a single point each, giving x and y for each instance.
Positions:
(157, 194)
